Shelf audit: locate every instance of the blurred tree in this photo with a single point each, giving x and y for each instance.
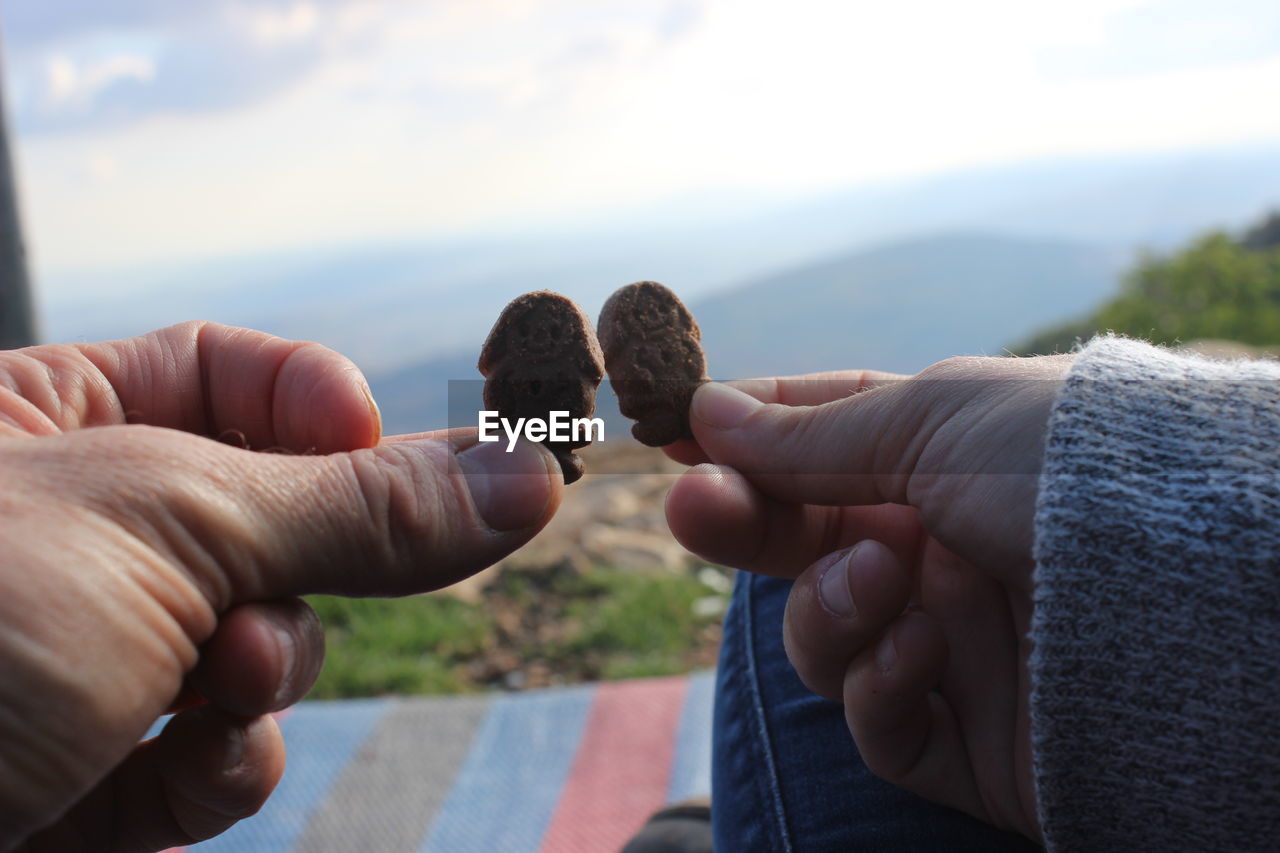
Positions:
(1217, 287)
(1264, 235)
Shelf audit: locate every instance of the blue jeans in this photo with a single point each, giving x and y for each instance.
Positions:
(786, 776)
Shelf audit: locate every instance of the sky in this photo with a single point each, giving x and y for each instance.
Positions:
(155, 131)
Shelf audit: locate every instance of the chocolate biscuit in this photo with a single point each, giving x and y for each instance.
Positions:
(653, 353)
(541, 357)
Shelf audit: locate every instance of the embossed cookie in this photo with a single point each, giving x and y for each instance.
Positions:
(540, 357)
(653, 353)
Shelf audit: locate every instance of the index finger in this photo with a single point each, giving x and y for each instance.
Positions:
(240, 386)
(814, 389)
(808, 389)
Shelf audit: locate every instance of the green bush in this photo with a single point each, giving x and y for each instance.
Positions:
(1218, 287)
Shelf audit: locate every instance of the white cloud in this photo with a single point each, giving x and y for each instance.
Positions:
(409, 119)
(70, 71)
(101, 168)
(273, 26)
(69, 83)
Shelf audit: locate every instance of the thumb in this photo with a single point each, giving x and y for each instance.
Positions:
(407, 516)
(962, 442)
(845, 452)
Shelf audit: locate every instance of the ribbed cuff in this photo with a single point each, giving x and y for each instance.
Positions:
(1155, 700)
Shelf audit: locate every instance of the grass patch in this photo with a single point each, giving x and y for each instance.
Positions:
(535, 627)
(637, 625)
(421, 644)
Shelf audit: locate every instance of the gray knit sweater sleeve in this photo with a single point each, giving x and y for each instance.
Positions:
(1156, 635)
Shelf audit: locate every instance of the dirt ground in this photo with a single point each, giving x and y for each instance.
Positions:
(612, 520)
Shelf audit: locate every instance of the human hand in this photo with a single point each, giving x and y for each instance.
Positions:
(875, 492)
(143, 564)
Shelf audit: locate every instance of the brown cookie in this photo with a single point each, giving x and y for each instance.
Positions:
(541, 357)
(653, 352)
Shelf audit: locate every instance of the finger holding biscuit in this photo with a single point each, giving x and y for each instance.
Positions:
(809, 389)
(961, 442)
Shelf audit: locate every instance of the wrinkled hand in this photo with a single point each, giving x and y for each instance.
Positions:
(903, 507)
(143, 563)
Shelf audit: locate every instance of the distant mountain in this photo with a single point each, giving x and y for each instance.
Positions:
(399, 305)
(1156, 199)
(417, 398)
(447, 392)
(897, 307)
(902, 306)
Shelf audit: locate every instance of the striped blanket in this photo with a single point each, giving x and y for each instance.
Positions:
(563, 770)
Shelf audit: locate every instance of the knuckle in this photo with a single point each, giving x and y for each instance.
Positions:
(381, 498)
(804, 430)
(955, 367)
(823, 678)
(405, 505)
(188, 328)
(819, 655)
(55, 387)
(884, 765)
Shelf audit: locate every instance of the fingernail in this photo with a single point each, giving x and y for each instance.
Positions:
(233, 748)
(833, 585)
(510, 490)
(373, 409)
(722, 406)
(886, 652)
(288, 646)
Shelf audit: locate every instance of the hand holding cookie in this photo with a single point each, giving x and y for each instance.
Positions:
(141, 555)
(823, 479)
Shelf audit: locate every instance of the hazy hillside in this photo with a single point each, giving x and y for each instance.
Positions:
(902, 306)
(396, 305)
(898, 307)
(416, 398)
(447, 392)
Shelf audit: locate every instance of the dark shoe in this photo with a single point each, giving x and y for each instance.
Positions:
(682, 828)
